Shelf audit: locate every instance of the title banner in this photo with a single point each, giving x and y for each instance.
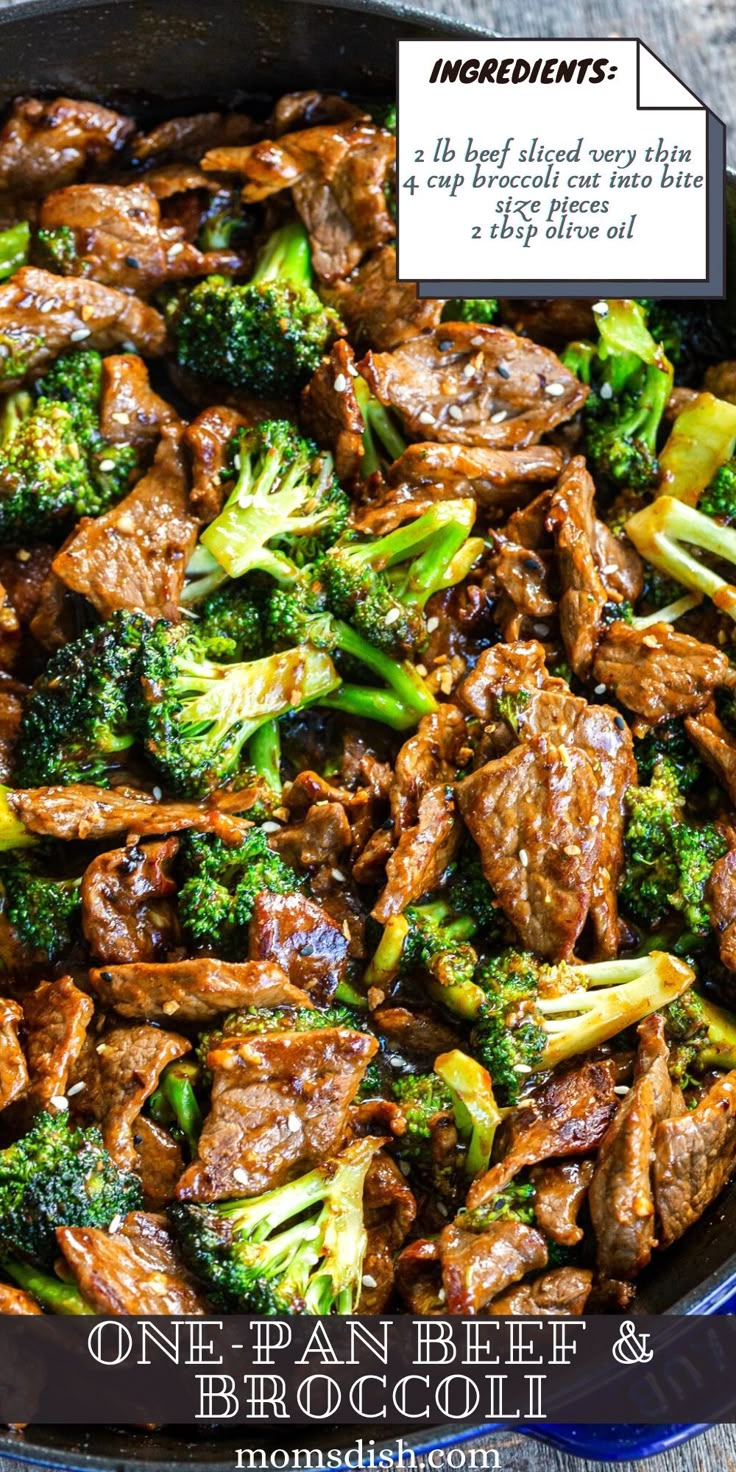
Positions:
(349, 1371)
(532, 167)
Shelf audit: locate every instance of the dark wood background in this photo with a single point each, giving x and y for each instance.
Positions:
(697, 38)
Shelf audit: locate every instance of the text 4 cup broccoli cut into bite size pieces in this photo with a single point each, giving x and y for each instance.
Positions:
(367, 745)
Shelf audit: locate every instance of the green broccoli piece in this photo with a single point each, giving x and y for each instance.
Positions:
(43, 912)
(14, 243)
(701, 441)
(514, 1204)
(471, 309)
(426, 1108)
(58, 1175)
(254, 1021)
(174, 1103)
(57, 250)
(55, 465)
(77, 724)
(297, 614)
(219, 887)
(719, 498)
(52, 1293)
(631, 380)
(13, 833)
(265, 336)
(700, 1034)
(197, 716)
(667, 750)
(383, 441)
(665, 534)
(298, 1249)
(381, 585)
(667, 860)
(284, 509)
(433, 936)
(527, 1016)
(226, 227)
(229, 624)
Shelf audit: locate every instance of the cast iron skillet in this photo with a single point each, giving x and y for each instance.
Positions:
(173, 56)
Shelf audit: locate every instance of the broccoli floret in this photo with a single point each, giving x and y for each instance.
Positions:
(666, 531)
(381, 586)
(219, 887)
(701, 1035)
(51, 1293)
(54, 464)
(198, 716)
(77, 724)
(471, 309)
(265, 336)
(297, 614)
(174, 1103)
(514, 1204)
(383, 441)
(667, 861)
(667, 750)
(226, 227)
(248, 1021)
(692, 335)
(14, 243)
(13, 833)
(719, 498)
(459, 1091)
(42, 912)
(59, 1175)
(229, 623)
(57, 250)
(528, 1016)
(284, 509)
(631, 381)
(701, 440)
(434, 935)
(298, 1249)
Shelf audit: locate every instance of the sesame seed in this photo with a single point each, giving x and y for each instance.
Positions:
(115, 1224)
(22, 555)
(522, 1068)
(499, 417)
(120, 417)
(542, 630)
(340, 384)
(156, 793)
(477, 341)
(59, 1102)
(605, 391)
(651, 641)
(392, 615)
(555, 390)
(441, 1296)
(620, 1088)
(455, 412)
(503, 371)
(47, 305)
(170, 1008)
(421, 669)
(293, 1124)
(338, 875)
(441, 1208)
(369, 1281)
(79, 334)
(599, 690)
(425, 417)
(572, 850)
(106, 465)
(76, 1089)
(176, 250)
(270, 827)
(404, 1167)
(240, 1175)
(432, 624)
(523, 858)
(600, 309)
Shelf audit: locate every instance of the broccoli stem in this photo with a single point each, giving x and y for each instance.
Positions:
(701, 440)
(720, 1049)
(14, 244)
(53, 1295)
(264, 754)
(660, 529)
(380, 433)
(386, 959)
(285, 256)
(477, 1114)
(669, 614)
(350, 995)
(13, 833)
(176, 1102)
(375, 705)
(401, 677)
(429, 543)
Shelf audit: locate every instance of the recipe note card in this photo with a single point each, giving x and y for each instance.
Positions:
(537, 167)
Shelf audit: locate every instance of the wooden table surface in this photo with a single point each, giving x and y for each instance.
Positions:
(697, 38)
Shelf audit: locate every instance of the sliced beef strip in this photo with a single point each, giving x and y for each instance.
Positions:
(160, 1161)
(299, 936)
(187, 137)
(421, 1035)
(23, 572)
(694, 1156)
(130, 412)
(309, 109)
(659, 673)
(620, 1197)
(720, 379)
(586, 585)
(422, 854)
(320, 839)
(716, 745)
(389, 1210)
(418, 1278)
(476, 1266)
(120, 241)
(560, 1188)
(56, 1017)
(9, 632)
(279, 1105)
(82, 811)
(567, 1115)
(207, 439)
(521, 583)
(721, 893)
(530, 814)
(556, 320)
(128, 903)
(505, 669)
(11, 712)
(563, 1291)
(13, 1069)
(45, 145)
(15, 1301)
(133, 1271)
(192, 991)
(379, 311)
(43, 315)
(337, 173)
(119, 1071)
(438, 747)
(330, 411)
(448, 385)
(135, 556)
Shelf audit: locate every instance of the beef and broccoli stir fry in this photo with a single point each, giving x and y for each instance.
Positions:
(367, 740)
